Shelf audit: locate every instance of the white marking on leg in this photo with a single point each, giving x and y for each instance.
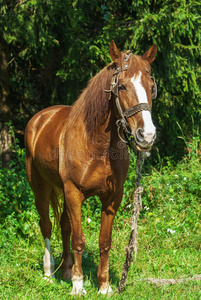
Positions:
(78, 288)
(106, 291)
(149, 129)
(48, 260)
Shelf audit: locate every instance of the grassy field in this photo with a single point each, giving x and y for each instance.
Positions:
(169, 241)
(161, 254)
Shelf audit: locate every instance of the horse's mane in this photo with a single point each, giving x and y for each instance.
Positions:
(93, 103)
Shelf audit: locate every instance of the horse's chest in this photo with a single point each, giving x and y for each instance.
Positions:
(100, 177)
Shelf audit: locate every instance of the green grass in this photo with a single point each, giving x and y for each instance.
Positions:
(169, 237)
(159, 256)
(168, 247)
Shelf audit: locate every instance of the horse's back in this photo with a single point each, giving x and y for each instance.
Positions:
(46, 121)
(42, 136)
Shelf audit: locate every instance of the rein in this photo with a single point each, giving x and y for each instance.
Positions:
(137, 206)
(114, 89)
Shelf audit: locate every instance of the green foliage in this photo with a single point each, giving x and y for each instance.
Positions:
(16, 198)
(55, 47)
(175, 197)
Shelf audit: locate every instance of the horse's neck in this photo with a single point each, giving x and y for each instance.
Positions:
(106, 136)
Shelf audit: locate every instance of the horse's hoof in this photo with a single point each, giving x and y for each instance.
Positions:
(106, 291)
(49, 279)
(75, 291)
(78, 288)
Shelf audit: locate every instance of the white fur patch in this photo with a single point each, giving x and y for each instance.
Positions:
(140, 91)
(78, 288)
(149, 128)
(48, 260)
(106, 291)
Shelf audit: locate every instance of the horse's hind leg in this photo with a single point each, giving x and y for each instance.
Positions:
(66, 232)
(42, 191)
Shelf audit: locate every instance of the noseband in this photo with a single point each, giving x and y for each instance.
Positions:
(122, 122)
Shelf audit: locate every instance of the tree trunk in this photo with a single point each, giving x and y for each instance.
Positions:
(5, 111)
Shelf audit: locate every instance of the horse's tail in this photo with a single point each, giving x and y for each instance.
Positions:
(56, 199)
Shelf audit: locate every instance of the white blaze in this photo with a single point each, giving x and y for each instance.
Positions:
(149, 128)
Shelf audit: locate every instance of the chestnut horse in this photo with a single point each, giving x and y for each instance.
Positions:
(79, 151)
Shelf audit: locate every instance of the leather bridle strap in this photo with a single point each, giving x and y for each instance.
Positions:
(114, 89)
(135, 109)
(122, 122)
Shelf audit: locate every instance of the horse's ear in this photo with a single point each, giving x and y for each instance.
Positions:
(114, 52)
(150, 54)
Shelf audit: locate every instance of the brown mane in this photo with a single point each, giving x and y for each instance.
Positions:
(93, 103)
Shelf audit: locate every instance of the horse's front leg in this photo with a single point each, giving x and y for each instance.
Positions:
(74, 199)
(107, 218)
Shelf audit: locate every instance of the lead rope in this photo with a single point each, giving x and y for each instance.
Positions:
(137, 202)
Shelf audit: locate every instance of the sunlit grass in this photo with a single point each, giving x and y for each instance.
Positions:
(160, 255)
(169, 239)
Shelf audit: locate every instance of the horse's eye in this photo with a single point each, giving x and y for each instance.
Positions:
(122, 87)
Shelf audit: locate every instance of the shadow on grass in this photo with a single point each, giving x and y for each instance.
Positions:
(90, 262)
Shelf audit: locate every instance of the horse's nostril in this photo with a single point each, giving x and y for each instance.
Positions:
(140, 135)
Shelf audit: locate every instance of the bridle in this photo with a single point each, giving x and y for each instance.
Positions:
(114, 89)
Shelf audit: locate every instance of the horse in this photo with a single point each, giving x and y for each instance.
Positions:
(81, 151)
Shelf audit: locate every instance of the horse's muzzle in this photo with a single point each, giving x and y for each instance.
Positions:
(144, 141)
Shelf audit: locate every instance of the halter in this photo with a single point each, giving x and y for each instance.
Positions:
(122, 122)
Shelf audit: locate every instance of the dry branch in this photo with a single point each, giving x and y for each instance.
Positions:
(164, 281)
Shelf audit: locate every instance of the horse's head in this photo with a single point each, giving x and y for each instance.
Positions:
(133, 90)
